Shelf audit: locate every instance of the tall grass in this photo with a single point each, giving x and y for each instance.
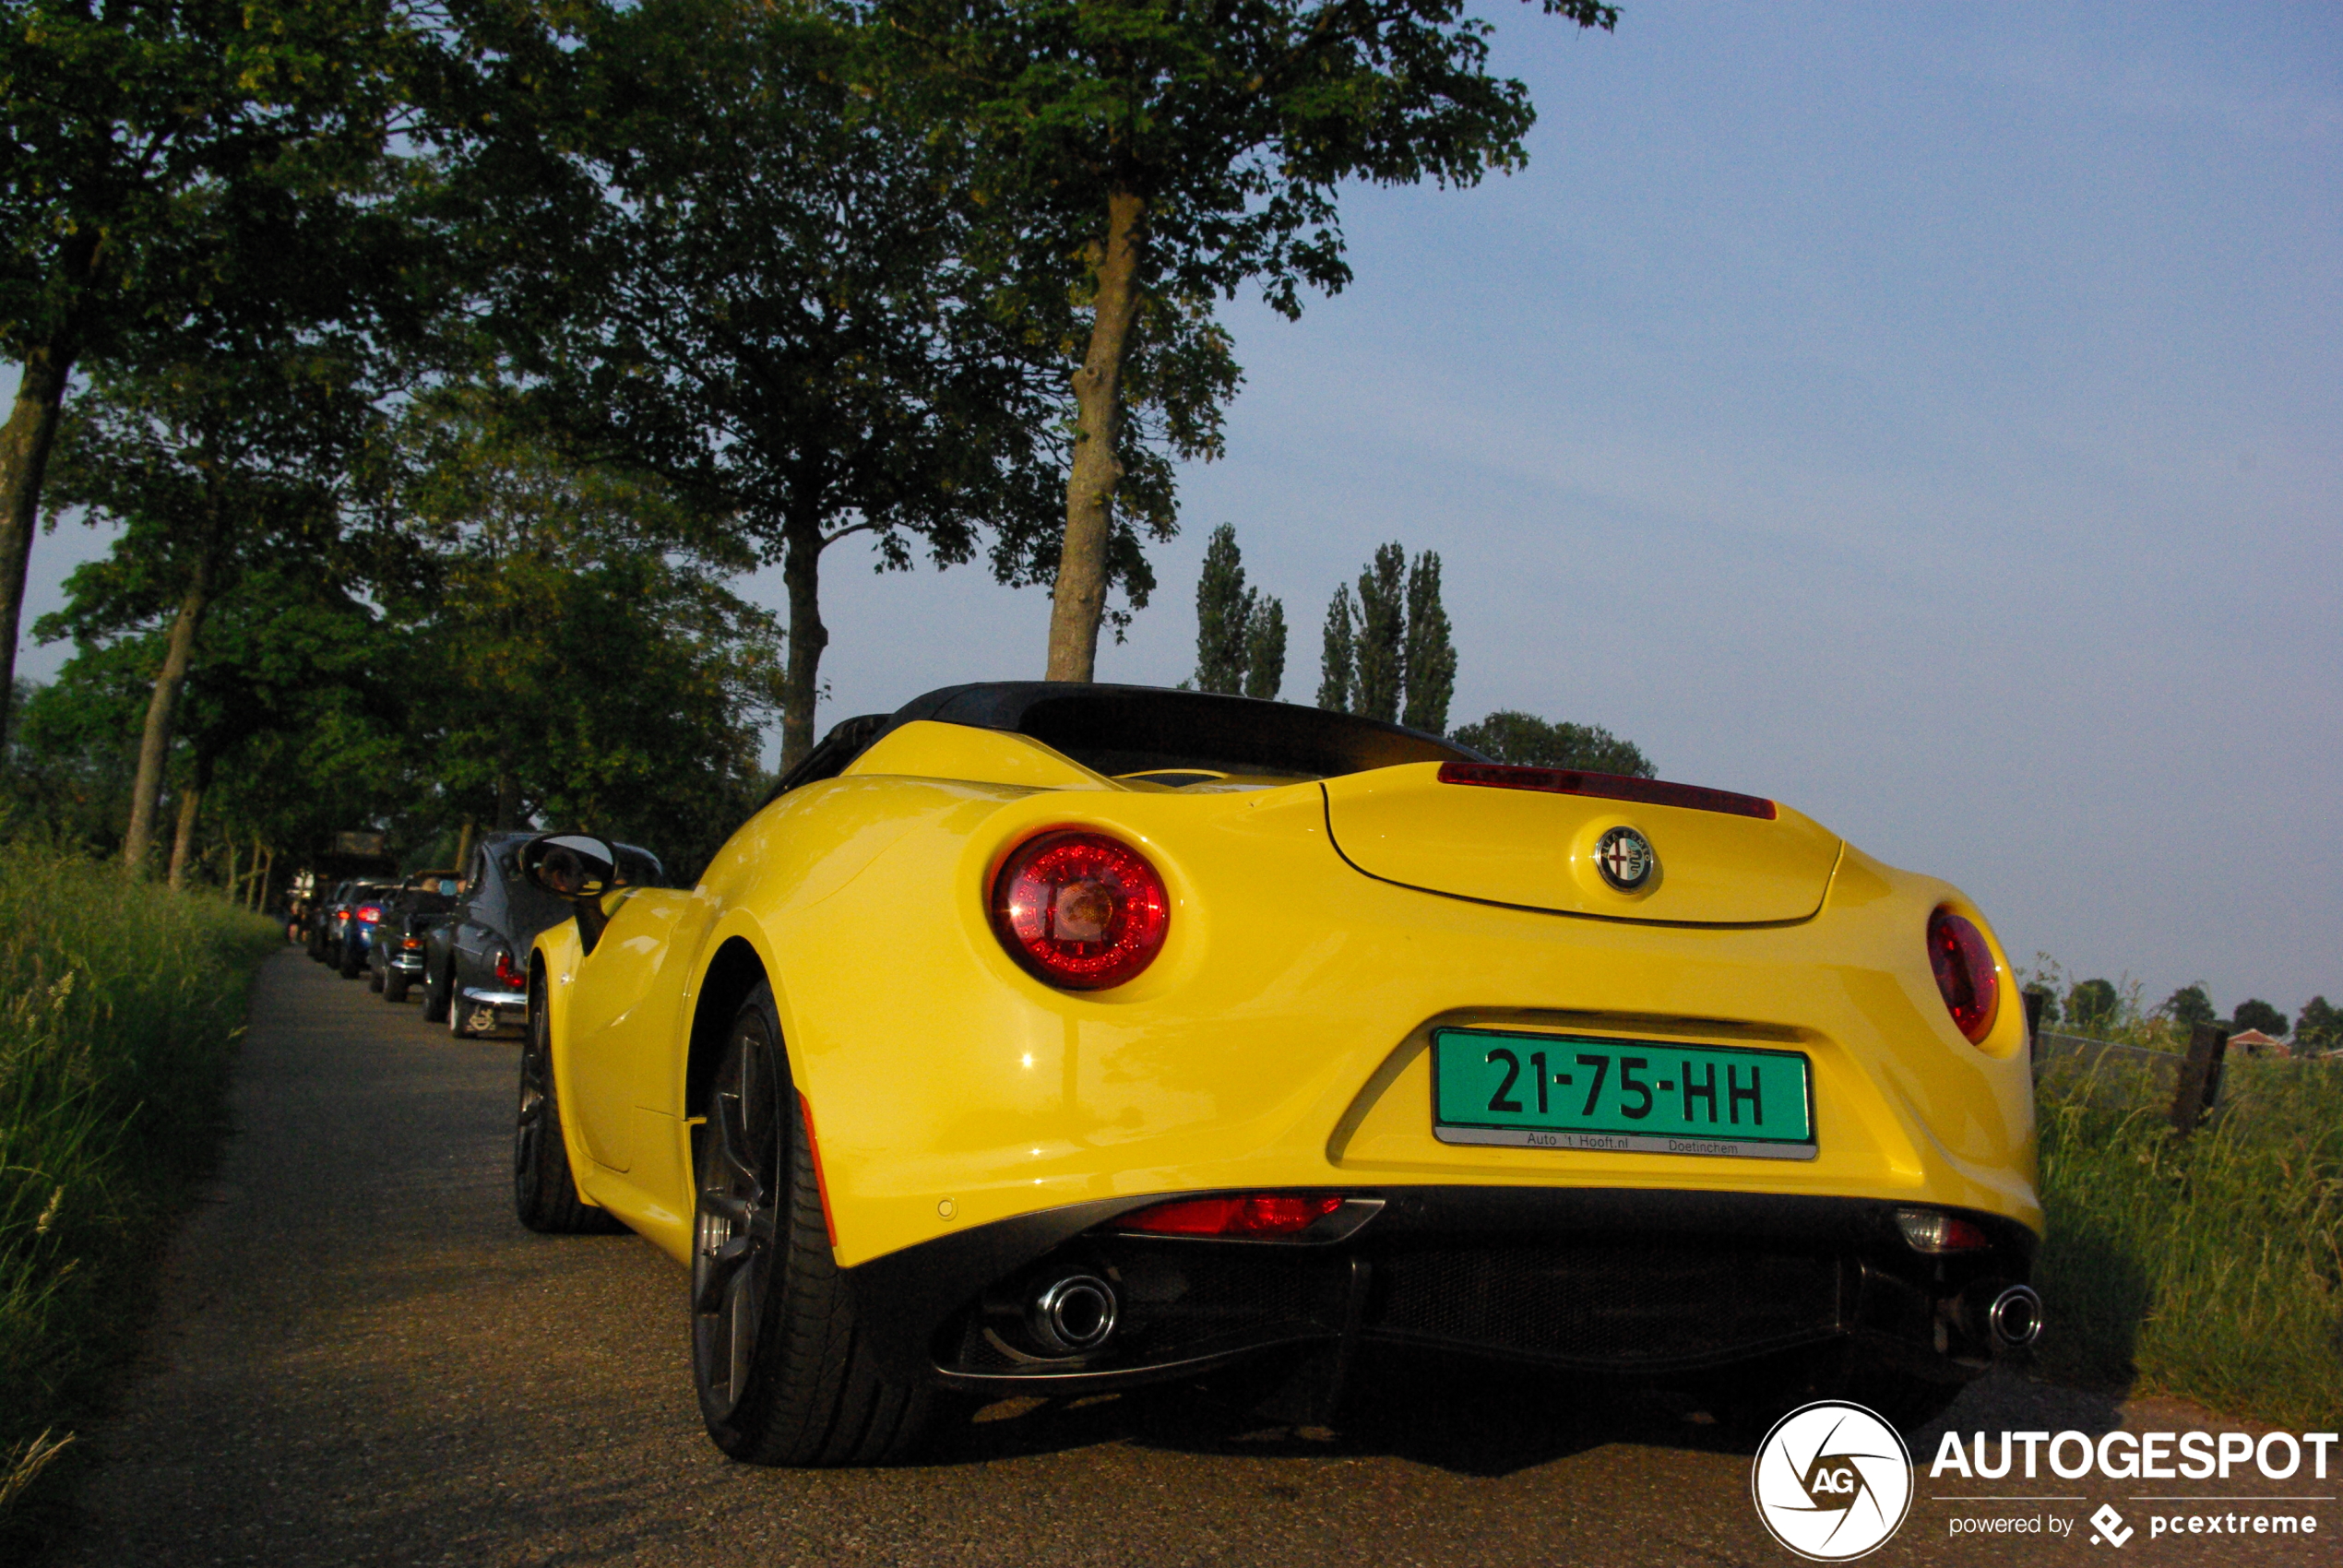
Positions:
(120, 1005)
(2211, 1268)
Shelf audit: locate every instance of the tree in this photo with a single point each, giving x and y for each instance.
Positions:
(2094, 1004)
(1265, 650)
(1336, 684)
(2190, 1006)
(1239, 635)
(1224, 606)
(1430, 656)
(2255, 1014)
(1172, 152)
(175, 166)
(1511, 736)
(2320, 1025)
(209, 465)
(789, 333)
(588, 665)
(1387, 650)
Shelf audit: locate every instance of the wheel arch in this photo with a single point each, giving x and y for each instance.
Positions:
(731, 974)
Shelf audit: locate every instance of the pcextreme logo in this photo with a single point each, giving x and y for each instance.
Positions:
(1832, 1481)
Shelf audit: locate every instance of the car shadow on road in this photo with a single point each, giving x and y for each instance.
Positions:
(1458, 1417)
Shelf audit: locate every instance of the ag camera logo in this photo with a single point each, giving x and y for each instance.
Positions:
(1832, 1481)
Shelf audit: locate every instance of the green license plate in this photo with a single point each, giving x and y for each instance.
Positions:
(1555, 1091)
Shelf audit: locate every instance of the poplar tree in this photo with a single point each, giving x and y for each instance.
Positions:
(1265, 650)
(1224, 606)
(1430, 656)
(1382, 627)
(1338, 679)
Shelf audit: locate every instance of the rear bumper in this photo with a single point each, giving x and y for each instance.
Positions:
(1600, 1281)
(511, 1007)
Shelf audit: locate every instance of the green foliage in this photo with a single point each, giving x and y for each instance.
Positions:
(1336, 686)
(581, 658)
(2255, 1014)
(1430, 656)
(1524, 739)
(119, 1009)
(1265, 650)
(2094, 1006)
(1382, 627)
(1239, 635)
(2320, 1025)
(2190, 1006)
(2209, 1268)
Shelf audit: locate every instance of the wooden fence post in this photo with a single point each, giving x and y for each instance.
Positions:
(2034, 1000)
(2200, 1084)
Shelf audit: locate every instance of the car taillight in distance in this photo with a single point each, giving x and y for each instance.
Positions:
(1965, 973)
(506, 974)
(1250, 1214)
(369, 913)
(1080, 910)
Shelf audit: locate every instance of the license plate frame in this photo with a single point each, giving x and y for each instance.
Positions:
(1465, 1111)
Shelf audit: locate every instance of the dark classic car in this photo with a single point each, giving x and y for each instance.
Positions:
(345, 923)
(395, 958)
(475, 960)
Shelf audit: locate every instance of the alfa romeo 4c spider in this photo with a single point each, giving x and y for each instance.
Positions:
(1045, 1039)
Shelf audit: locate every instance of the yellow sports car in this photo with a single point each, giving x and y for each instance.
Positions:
(1042, 1038)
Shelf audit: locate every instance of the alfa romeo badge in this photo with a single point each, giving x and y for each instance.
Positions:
(1625, 859)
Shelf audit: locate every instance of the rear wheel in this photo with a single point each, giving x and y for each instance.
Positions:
(459, 1026)
(351, 958)
(545, 1188)
(784, 1377)
(373, 977)
(436, 990)
(395, 986)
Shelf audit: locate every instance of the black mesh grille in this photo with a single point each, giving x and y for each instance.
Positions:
(1604, 1304)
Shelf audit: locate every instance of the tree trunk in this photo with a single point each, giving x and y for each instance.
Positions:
(267, 857)
(507, 800)
(25, 442)
(801, 575)
(154, 745)
(183, 842)
(1077, 602)
(464, 848)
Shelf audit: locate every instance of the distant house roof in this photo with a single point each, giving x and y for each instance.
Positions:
(2256, 1043)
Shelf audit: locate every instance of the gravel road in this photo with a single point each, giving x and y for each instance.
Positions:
(362, 1358)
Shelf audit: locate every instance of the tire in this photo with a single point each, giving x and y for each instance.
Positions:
(436, 990)
(458, 1014)
(783, 1375)
(349, 960)
(394, 986)
(374, 978)
(544, 1189)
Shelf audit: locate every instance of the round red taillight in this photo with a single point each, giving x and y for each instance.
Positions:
(1965, 973)
(1081, 910)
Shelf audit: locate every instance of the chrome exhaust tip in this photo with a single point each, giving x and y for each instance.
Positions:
(2016, 1317)
(1073, 1314)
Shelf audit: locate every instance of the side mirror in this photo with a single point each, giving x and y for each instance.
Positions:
(579, 870)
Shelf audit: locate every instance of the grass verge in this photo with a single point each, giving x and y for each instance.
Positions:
(2209, 1268)
(120, 1007)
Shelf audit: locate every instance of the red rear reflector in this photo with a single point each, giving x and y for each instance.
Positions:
(1965, 973)
(1258, 1214)
(1080, 910)
(1606, 786)
(506, 974)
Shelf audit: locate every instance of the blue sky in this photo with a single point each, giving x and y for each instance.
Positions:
(1928, 415)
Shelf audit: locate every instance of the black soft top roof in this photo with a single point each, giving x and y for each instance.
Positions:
(1118, 729)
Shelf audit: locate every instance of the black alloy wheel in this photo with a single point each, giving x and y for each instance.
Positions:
(783, 1376)
(394, 985)
(544, 1189)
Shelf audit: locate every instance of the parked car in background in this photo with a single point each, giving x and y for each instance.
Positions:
(395, 959)
(337, 918)
(360, 915)
(475, 961)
